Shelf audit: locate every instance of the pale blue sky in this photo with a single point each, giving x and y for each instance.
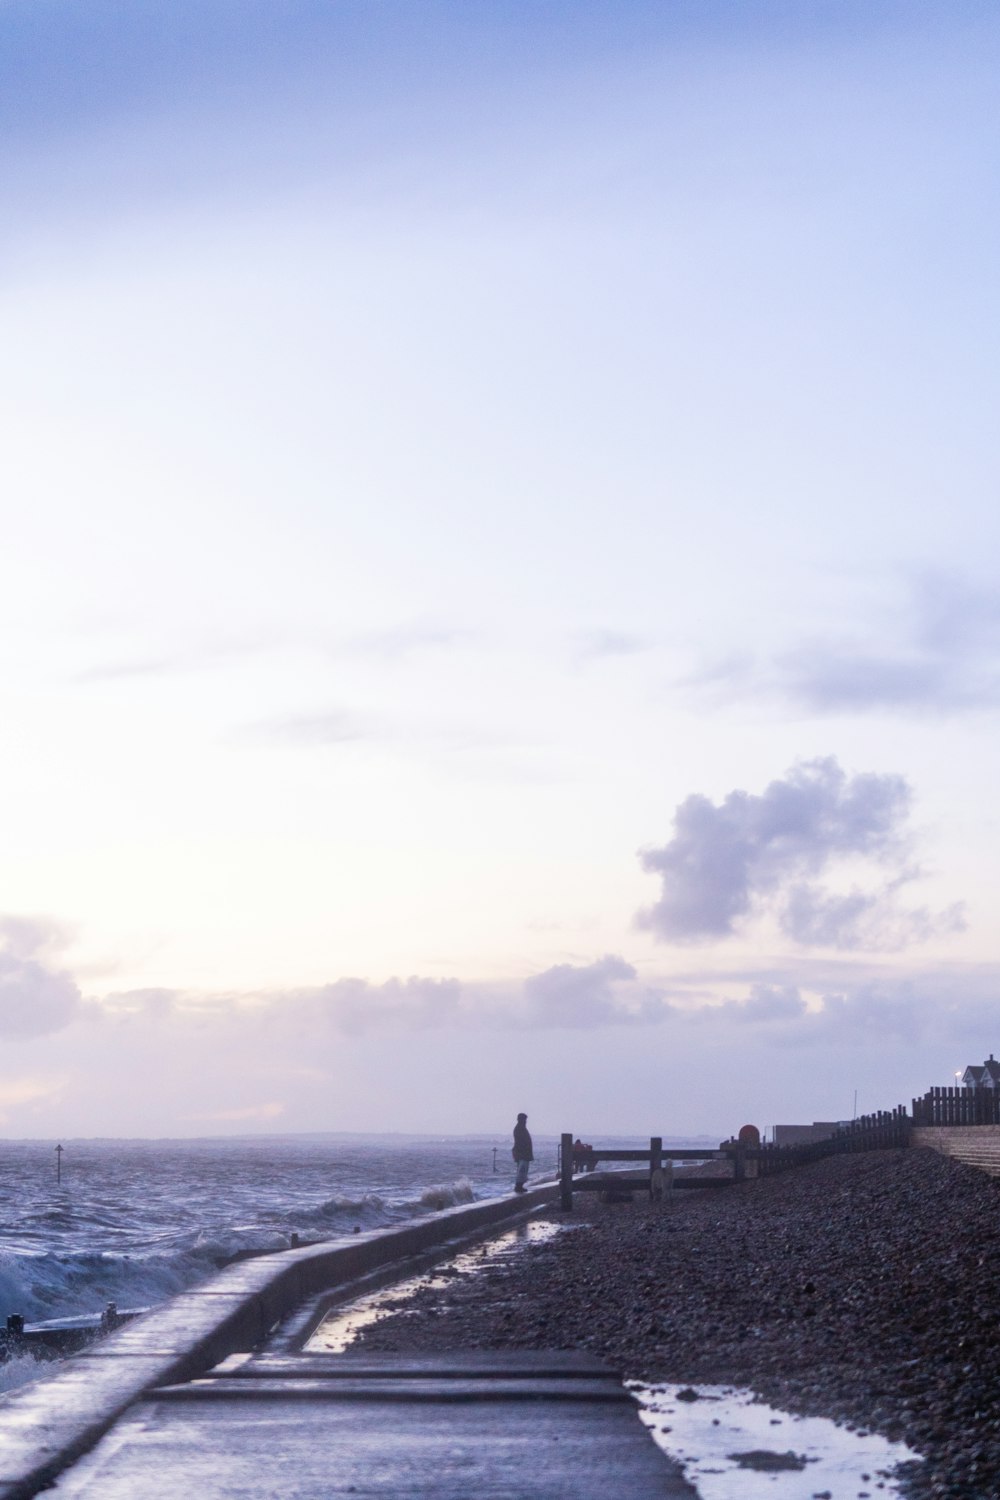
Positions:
(441, 440)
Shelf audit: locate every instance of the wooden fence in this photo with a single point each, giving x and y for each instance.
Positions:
(882, 1131)
(958, 1107)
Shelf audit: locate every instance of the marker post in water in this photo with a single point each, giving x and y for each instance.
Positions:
(59, 1152)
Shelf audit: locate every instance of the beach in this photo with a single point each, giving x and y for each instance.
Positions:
(862, 1288)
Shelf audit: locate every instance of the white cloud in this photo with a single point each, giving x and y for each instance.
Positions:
(34, 937)
(732, 862)
(870, 920)
(35, 998)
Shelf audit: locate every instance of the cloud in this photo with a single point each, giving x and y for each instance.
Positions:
(941, 1007)
(392, 644)
(863, 919)
(592, 645)
(16, 1093)
(602, 993)
(749, 855)
(35, 998)
(333, 728)
(141, 1005)
(353, 1006)
(34, 937)
(936, 651)
(790, 1039)
(200, 654)
(584, 995)
(400, 641)
(841, 677)
(573, 996)
(770, 1002)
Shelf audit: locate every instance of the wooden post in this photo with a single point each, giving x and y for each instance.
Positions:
(656, 1167)
(566, 1172)
(739, 1164)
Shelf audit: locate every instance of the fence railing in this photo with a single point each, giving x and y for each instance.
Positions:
(954, 1106)
(574, 1162)
(882, 1131)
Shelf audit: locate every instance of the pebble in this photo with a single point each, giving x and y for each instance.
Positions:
(860, 1288)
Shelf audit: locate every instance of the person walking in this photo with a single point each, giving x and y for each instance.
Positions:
(522, 1153)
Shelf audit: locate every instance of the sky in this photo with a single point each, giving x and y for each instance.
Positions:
(499, 528)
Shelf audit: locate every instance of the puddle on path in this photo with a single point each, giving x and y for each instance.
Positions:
(344, 1323)
(784, 1457)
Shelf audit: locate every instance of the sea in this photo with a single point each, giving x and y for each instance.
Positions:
(136, 1221)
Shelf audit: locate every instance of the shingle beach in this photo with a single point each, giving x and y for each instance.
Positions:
(864, 1288)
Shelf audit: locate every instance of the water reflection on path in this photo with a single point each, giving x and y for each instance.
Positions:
(735, 1448)
(343, 1324)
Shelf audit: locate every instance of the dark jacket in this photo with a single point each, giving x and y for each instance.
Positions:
(522, 1143)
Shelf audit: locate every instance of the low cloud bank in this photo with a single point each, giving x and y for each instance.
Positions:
(580, 1042)
(792, 1003)
(752, 855)
(588, 995)
(575, 996)
(353, 1006)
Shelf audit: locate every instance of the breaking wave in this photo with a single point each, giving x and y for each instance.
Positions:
(441, 1196)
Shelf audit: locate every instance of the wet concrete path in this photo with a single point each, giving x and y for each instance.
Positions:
(496, 1426)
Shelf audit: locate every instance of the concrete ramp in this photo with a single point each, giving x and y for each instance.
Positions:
(494, 1426)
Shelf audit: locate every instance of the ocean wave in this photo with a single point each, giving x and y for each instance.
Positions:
(444, 1196)
(41, 1285)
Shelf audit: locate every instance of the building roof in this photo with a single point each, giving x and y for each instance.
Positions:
(988, 1073)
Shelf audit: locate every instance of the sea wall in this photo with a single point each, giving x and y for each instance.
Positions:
(46, 1426)
(976, 1145)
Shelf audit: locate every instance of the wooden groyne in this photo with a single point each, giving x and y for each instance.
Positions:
(656, 1178)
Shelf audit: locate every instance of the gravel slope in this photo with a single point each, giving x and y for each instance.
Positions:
(864, 1288)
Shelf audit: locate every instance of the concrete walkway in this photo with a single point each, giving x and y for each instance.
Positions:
(175, 1404)
(494, 1426)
